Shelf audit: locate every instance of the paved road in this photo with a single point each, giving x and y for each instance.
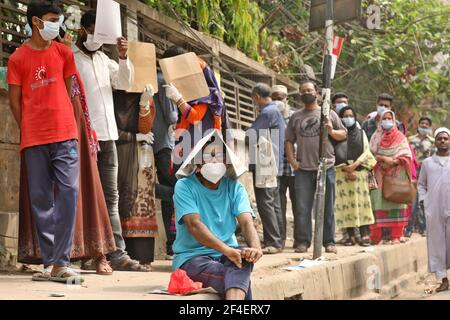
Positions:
(417, 292)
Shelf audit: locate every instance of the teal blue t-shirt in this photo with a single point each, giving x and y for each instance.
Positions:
(218, 210)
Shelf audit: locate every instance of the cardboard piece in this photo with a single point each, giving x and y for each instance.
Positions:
(185, 73)
(143, 57)
(108, 24)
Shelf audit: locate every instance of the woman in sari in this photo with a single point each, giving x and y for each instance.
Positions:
(353, 164)
(93, 237)
(135, 113)
(393, 156)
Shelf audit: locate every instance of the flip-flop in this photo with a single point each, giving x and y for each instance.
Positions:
(39, 276)
(68, 276)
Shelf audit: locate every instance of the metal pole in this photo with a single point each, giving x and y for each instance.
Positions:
(319, 197)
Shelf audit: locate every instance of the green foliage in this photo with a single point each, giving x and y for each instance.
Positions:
(401, 58)
(237, 22)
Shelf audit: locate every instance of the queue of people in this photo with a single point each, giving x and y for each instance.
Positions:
(92, 152)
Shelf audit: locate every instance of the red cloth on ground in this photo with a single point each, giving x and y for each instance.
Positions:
(181, 283)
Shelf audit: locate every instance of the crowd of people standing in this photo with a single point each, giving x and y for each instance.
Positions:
(92, 152)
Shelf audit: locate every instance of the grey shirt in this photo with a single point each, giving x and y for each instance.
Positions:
(166, 115)
(304, 130)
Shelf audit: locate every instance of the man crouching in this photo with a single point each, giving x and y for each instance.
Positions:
(208, 200)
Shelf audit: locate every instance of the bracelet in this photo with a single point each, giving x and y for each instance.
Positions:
(185, 113)
(181, 102)
(145, 107)
(144, 115)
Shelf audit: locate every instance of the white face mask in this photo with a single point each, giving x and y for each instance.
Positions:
(213, 172)
(50, 31)
(90, 44)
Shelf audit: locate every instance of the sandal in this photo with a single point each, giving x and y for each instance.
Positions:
(42, 276)
(68, 276)
(404, 239)
(102, 266)
(349, 242)
(365, 241)
(271, 250)
(129, 265)
(395, 241)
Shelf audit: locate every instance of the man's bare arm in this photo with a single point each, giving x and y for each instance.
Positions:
(203, 235)
(15, 102)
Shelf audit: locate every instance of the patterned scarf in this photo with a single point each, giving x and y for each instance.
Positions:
(78, 91)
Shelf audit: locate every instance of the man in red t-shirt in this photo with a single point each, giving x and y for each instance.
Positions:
(39, 77)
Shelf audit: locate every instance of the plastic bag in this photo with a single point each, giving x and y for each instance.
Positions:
(180, 283)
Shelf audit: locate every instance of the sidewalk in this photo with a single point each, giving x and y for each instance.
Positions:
(344, 276)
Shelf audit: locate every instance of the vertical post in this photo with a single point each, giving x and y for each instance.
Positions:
(319, 197)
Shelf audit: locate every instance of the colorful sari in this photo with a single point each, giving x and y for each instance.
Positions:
(388, 214)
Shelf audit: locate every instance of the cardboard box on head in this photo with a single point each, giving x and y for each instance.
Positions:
(143, 57)
(185, 73)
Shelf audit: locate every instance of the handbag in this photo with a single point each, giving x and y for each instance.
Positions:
(398, 190)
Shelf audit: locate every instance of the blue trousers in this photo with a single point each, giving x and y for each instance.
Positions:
(53, 177)
(305, 188)
(220, 274)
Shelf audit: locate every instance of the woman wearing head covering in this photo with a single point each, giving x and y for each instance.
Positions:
(353, 164)
(135, 113)
(393, 155)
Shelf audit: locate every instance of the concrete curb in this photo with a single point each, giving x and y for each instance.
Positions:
(376, 274)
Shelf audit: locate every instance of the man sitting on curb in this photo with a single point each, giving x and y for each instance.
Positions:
(208, 200)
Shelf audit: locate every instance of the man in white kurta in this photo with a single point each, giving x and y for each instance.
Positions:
(434, 190)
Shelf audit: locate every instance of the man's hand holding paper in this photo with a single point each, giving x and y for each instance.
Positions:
(172, 93)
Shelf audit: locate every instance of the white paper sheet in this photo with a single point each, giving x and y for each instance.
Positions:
(108, 25)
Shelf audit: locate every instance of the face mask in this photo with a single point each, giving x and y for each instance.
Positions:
(387, 124)
(308, 98)
(348, 122)
(213, 172)
(90, 44)
(380, 110)
(424, 131)
(28, 30)
(50, 31)
(340, 106)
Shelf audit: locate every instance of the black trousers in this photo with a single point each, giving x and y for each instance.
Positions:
(164, 192)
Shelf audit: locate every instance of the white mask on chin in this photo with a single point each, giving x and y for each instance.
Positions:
(213, 172)
(90, 44)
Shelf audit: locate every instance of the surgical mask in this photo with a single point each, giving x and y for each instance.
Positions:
(50, 31)
(424, 131)
(348, 122)
(90, 44)
(387, 124)
(381, 109)
(340, 106)
(28, 30)
(213, 171)
(308, 98)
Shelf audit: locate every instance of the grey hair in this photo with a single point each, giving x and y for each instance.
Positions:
(261, 89)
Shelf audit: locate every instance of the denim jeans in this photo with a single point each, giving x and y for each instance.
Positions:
(305, 187)
(285, 183)
(108, 165)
